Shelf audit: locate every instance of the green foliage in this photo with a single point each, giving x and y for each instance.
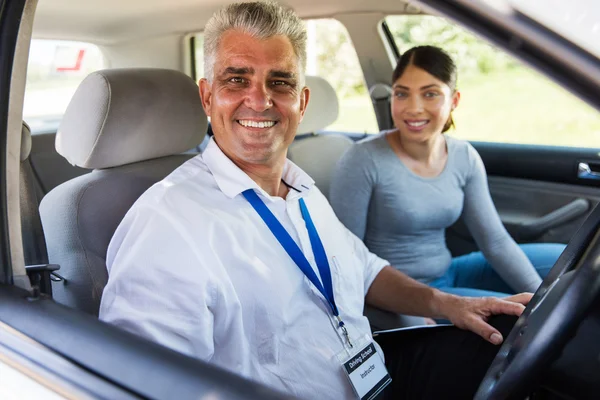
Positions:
(331, 55)
(520, 106)
(502, 101)
(334, 57)
(472, 55)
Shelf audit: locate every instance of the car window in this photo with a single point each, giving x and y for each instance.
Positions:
(502, 99)
(54, 72)
(198, 57)
(330, 55)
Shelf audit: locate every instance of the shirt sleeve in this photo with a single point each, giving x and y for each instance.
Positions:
(148, 294)
(483, 221)
(351, 189)
(371, 262)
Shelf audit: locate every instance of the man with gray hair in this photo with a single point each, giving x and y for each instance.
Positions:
(237, 258)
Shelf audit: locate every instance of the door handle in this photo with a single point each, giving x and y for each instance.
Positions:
(585, 172)
(534, 229)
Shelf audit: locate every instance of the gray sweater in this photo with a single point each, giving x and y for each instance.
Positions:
(402, 217)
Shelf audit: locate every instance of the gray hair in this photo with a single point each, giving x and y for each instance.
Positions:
(262, 20)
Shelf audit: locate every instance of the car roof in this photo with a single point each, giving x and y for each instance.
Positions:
(112, 21)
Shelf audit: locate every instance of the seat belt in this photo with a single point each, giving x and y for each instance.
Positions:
(381, 94)
(34, 242)
(35, 252)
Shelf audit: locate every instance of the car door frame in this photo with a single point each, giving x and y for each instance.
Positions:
(64, 350)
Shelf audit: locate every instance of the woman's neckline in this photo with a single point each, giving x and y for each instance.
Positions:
(390, 146)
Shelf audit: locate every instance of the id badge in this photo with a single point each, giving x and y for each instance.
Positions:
(366, 370)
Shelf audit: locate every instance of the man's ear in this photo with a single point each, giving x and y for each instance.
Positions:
(205, 95)
(304, 97)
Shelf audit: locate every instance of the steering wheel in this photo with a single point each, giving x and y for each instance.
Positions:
(551, 319)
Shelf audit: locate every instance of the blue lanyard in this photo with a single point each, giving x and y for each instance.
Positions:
(288, 244)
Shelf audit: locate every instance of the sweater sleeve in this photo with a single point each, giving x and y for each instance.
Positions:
(351, 189)
(483, 221)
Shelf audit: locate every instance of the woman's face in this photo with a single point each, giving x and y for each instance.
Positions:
(421, 104)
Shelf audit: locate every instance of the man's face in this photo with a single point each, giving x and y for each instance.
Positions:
(255, 101)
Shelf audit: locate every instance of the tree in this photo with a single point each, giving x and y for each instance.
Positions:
(472, 55)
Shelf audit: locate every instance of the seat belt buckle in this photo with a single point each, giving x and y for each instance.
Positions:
(41, 277)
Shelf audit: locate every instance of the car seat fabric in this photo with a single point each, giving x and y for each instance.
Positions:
(316, 153)
(130, 126)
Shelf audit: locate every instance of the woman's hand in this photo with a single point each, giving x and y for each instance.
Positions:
(472, 313)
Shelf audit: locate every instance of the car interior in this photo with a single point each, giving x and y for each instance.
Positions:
(78, 211)
(133, 121)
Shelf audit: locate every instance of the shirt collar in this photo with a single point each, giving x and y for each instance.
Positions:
(232, 180)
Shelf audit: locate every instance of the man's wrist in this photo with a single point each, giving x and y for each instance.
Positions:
(440, 303)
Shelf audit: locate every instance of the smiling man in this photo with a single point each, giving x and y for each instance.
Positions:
(237, 258)
(255, 97)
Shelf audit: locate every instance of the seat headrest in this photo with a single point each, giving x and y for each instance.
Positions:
(122, 116)
(25, 141)
(323, 107)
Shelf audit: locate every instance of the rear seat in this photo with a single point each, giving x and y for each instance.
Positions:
(316, 153)
(49, 167)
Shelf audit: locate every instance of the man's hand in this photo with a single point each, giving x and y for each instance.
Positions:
(396, 292)
(472, 313)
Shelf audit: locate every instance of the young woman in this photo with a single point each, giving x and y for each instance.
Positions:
(400, 190)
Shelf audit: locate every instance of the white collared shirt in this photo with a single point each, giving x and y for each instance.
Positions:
(194, 267)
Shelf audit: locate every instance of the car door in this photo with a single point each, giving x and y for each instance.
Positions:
(542, 193)
(50, 351)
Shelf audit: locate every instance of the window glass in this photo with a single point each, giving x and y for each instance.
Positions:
(501, 99)
(54, 72)
(199, 55)
(576, 20)
(330, 55)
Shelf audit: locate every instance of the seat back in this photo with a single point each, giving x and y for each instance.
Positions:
(129, 126)
(316, 153)
(49, 167)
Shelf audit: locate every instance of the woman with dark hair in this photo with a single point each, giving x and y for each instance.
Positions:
(400, 190)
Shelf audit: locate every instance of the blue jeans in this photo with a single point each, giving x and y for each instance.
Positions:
(471, 275)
